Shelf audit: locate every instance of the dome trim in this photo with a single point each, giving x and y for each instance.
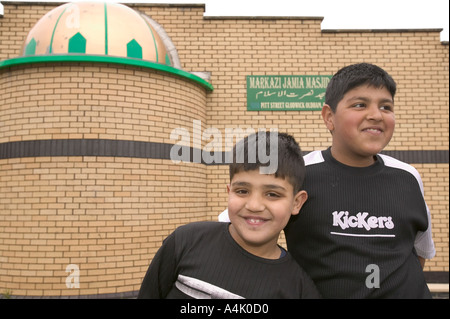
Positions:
(154, 40)
(106, 28)
(105, 59)
(50, 49)
(172, 50)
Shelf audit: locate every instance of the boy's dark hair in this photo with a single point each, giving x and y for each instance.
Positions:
(356, 75)
(290, 165)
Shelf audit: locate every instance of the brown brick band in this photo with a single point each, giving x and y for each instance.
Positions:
(137, 149)
(85, 147)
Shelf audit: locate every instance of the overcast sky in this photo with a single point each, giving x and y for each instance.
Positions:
(341, 14)
(338, 14)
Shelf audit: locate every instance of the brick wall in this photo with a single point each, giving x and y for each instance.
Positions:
(96, 101)
(109, 214)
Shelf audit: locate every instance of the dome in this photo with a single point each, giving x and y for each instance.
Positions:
(96, 28)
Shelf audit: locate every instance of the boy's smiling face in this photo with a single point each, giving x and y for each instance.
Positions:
(259, 207)
(362, 125)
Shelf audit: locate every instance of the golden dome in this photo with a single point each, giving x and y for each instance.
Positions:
(96, 28)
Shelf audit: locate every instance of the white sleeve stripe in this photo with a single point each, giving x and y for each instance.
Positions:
(395, 163)
(315, 157)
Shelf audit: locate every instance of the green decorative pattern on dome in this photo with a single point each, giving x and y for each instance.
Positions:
(98, 28)
(77, 44)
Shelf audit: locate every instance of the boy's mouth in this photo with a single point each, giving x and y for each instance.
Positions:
(255, 221)
(373, 130)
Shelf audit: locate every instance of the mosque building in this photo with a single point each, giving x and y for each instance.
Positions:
(115, 122)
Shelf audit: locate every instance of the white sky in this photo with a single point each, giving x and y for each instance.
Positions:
(338, 14)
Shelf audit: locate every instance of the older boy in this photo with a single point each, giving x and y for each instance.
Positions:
(365, 230)
(241, 259)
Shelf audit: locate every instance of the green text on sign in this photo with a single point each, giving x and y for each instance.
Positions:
(286, 92)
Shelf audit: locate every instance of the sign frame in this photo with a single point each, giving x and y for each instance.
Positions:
(286, 92)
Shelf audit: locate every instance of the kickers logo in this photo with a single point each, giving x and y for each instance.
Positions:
(361, 220)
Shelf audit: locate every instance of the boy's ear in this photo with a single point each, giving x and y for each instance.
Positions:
(299, 199)
(228, 188)
(328, 117)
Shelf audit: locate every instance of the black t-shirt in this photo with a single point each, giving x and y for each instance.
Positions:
(201, 260)
(355, 234)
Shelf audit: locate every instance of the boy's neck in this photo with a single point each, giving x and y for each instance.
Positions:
(354, 161)
(273, 253)
(268, 251)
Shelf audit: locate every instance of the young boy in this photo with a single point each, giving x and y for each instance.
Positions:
(241, 259)
(365, 230)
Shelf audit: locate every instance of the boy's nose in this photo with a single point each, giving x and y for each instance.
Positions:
(254, 203)
(374, 113)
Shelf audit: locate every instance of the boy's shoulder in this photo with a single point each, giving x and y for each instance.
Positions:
(200, 225)
(392, 162)
(395, 163)
(317, 157)
(199, 229)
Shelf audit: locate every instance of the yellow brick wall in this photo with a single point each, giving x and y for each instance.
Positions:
(96, 101)
(113, 102)
(108, 215)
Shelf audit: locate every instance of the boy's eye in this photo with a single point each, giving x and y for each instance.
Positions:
(386, 108)
(241, 191)
(273, 195)
(359, 105)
